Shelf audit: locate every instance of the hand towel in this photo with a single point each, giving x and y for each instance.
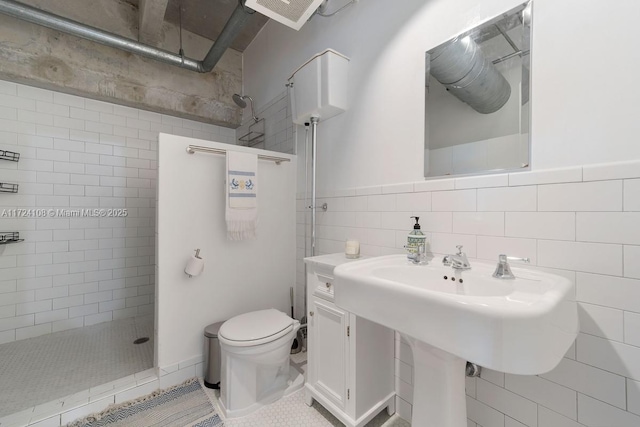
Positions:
(241, 211)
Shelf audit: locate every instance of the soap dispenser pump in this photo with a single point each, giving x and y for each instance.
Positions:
(415, 238)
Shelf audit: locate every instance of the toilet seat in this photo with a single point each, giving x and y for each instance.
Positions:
(255, 328)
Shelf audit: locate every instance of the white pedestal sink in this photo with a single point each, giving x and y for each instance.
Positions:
(522, 326)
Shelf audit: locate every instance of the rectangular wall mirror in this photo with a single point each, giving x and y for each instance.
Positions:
(477, 98)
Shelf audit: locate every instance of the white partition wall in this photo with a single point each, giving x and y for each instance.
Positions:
(239, 276)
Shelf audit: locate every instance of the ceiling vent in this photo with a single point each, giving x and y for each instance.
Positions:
(292, 13)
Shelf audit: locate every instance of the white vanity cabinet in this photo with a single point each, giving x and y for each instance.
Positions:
(350, 360)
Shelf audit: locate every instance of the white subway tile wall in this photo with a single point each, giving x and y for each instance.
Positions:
(586, 231)
(78, 153)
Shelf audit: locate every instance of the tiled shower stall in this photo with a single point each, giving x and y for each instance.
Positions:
(86, 209)
(77, 153)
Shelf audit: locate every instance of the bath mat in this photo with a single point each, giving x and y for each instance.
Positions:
(184, 405)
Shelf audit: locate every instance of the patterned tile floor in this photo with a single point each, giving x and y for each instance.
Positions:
(291, 411)
(41, 369)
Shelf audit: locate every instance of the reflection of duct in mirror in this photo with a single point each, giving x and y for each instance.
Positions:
(461, 66)
(477, 98)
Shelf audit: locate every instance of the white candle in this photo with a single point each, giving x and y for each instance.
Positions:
(352, 249)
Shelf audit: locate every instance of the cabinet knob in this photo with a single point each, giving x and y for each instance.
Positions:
(328, 285)
(311, 313)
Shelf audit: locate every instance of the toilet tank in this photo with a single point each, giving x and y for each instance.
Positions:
(319, 87)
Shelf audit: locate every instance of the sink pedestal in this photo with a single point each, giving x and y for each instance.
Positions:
(439, 398)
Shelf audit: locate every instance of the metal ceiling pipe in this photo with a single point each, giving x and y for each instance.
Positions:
(464, 70)
(58, 23)
(232, 28)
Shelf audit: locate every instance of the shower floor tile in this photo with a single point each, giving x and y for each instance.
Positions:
(39, 370)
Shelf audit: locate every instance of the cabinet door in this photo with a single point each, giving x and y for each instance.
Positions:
(331, 351)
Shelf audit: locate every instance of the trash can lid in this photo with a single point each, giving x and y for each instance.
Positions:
(211, 331)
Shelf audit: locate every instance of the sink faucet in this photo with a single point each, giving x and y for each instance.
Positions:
(418, 257)
(503, 269)
(458, 261)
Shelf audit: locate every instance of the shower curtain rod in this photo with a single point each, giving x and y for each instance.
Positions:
(193, 148)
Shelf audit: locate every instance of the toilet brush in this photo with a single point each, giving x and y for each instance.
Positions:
(295, 347)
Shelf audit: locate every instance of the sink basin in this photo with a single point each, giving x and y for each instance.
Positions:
(432, 279)
(520, 326)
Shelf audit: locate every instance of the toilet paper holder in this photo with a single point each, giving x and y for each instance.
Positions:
(195, 265)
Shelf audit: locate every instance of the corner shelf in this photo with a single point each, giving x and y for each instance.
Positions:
(8, 188)
(9, 155)
(8, 237)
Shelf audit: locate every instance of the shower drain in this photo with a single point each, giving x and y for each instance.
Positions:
(141, 340)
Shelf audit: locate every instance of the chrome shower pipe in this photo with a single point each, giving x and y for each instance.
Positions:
(40, 17)
(314, 132)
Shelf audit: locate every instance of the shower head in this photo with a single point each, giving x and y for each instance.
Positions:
(240, 102)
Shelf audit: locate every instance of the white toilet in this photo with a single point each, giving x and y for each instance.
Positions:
(255, 371)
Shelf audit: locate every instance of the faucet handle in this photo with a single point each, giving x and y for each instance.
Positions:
(502, 259)
(459, 249)
(503, 269)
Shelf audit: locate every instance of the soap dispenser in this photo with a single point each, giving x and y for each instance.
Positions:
(415, 238)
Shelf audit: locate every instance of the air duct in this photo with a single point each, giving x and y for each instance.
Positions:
(463, 69)
(231, 29)
(293, 14)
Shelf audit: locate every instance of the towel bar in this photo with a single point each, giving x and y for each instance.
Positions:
(193, 148)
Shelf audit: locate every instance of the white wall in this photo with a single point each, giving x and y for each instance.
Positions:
(77, 153)
(574, 120)
(376, 103)
(239, 276)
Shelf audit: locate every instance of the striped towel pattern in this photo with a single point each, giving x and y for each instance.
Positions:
(241, 212)
(242, 189)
